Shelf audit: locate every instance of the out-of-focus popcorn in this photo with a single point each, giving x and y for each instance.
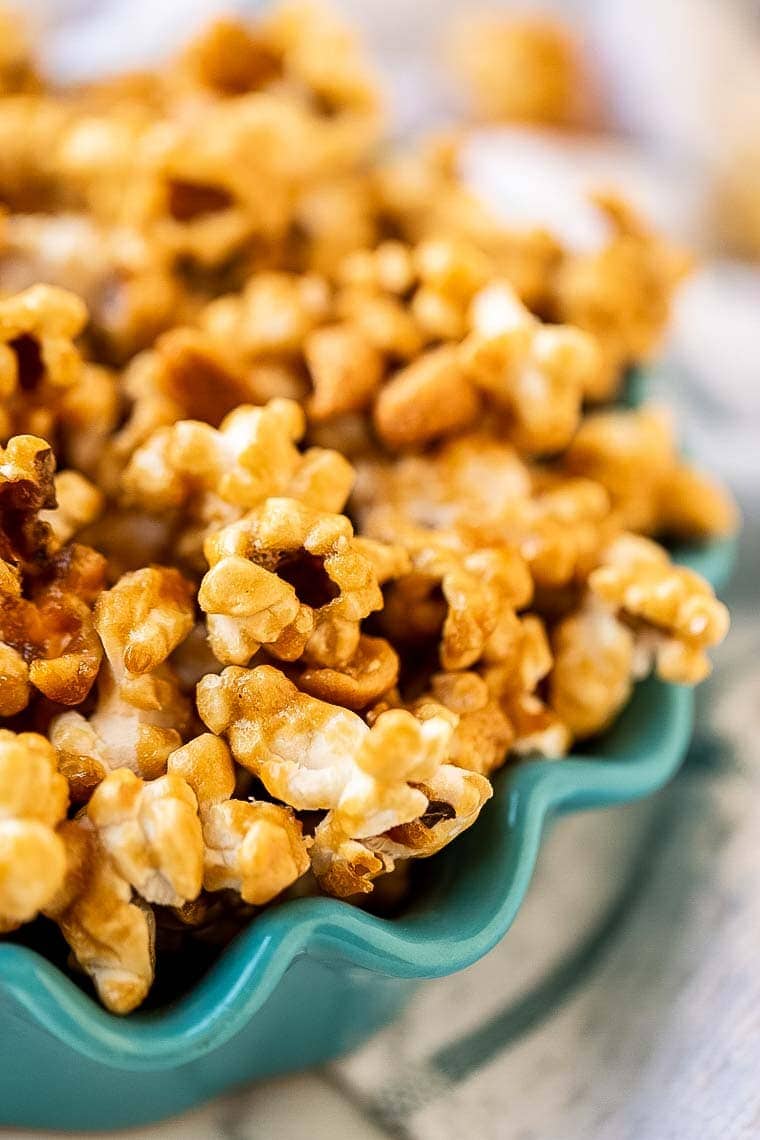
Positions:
(620, 293)
(321, 56)
(90, 412)
(476, 492)
(593, 669)
(514, 682)
(252, 847)
(424, 197)
(18, 72)
(673, 611)
(79, 503)
(38, 359)
(345, 369)
(536, 374)
(271, 317)
(110, 935)
(430, 398)
(525, 69)
(633, 455)
(735, 199)
(33, 801)
(125, 281)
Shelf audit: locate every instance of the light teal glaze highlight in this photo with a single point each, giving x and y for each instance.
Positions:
(311, 979)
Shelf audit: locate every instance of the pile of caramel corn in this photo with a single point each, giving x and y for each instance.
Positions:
(316, 504)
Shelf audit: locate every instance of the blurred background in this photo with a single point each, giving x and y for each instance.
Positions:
(625, 1002)
(659, 96)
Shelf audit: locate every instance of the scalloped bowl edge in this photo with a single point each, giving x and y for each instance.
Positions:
(638, 756)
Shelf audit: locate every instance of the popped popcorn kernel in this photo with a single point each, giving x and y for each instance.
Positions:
(111, 935)
(430, 398)
(673, 611)
(252, 847)
(287, 576)
(33, 801)
(153, 834)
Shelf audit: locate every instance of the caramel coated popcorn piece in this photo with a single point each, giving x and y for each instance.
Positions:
(17, 67)
(476, 492)
(229, 58)
(322, 55)
(632, 453)
(110, 935)
(471, 483)
(383, 320)
(27, 486)
(186, 375)
(304, 750)
(483, 733)
(514, 683)
(152, 833)
(387, 268)
(144, 617)
(140, 711)
(51, 627)
(213, 476)
(345, 370)
(523, 69)
(272, 316)
(301, 749)
(621, 293)
(370, 673)
(534, 373)
(194, 192)
(283, 573)
(673, 611)
(399, 752)
(430, 398)
(455, 798)
(464, 598)
(252, 847)
(79, 502)
(33, 801)
(593, 671)
(38, 359)
(14, 681)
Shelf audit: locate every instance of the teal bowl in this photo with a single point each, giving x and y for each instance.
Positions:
(312, 979)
